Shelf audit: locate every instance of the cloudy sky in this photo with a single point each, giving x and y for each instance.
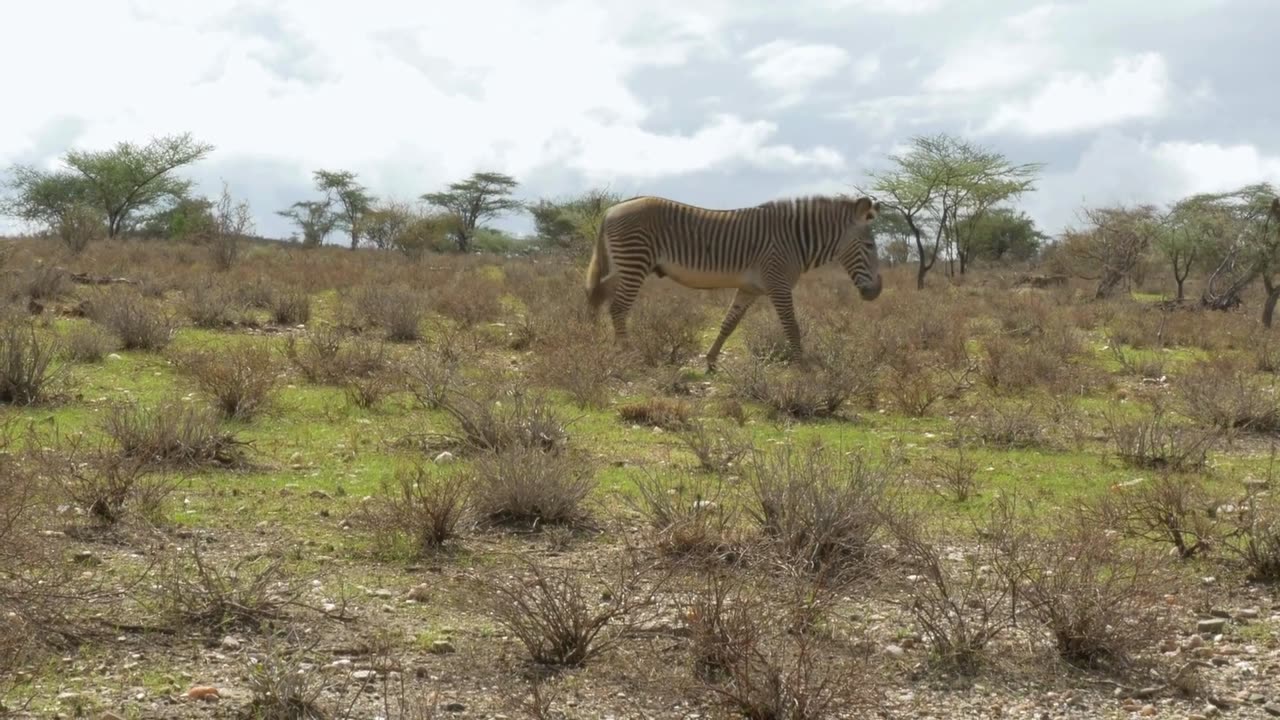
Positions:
(716, 102)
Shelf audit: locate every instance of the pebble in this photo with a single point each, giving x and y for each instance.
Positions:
(419, 593)
(444, 458)
(894, 651)
(1272, 709)
(1212, 625)
(230, 643)
(363, 675)
(1247, 614)
(455, 707)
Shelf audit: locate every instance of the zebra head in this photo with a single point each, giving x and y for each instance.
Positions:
(858, 254)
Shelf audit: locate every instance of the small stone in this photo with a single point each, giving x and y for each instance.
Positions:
(1210, 711)
(419, 593)
(1272, 709)
(363, 675)
(84, 557)
(230, 643)
(444, 458)
(382, 593)
(1148, 711)
(1212, 625)
(114, 356)
(318, 495)
(442, 647)
(1257, 699)
(1194, 642)
(1247, 614)
(895, 652)
(454, 707)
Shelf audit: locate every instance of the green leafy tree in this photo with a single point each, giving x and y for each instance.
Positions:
(1111, 245)
(481, 197)
(1248, 248)
(315, 218)
(1188, 232)
(572, 224)
(940, 182)
(350, 198)
(187, 219)
(122, 182)
(1002, 234)
(385, 221)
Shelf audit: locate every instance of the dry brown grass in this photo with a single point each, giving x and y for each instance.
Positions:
(690, 515)
(525, 486)
(427, 506)
(140, 322)
(660, 412)
(242, 377)
(27, 372)
(171, 433)
(88, 343)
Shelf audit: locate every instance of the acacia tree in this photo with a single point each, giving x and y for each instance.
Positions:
(1249, 249)
(942, 181)
(315, 218)
(1112, 244)
(350, 198)
(1002, 234)
(1187, 233)
(483, 196)
(119, 181)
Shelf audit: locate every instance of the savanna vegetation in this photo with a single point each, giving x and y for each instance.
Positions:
(407, 474)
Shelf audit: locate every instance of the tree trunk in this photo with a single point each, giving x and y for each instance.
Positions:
(921, 269)
(1269, 305)
(1180, 281)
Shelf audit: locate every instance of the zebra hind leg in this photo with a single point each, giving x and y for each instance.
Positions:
(624, 296)
(785, 309)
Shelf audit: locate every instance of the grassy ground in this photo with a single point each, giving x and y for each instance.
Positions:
(1041, 395)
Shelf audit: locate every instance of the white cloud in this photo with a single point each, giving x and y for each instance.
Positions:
(1017, 50)
(1212, 167)
(792, 68)
(1136, 87)
(866, 68)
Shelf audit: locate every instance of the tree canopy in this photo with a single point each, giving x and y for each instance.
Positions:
(350, 198)
(481, 197)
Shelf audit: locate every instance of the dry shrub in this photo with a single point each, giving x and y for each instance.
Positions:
(1009, 366)
(1148, 365)
(1100, 601)
(290, 306)
(242, 377)
(245, 594)
(916, 381)
(820, 511)
(564, 620)
(171, 433)
(493, 419)
(366, 391)
(470, 297)
(288, 684)
(717, 446)
(1171, 508)
(258, 292)
(105, 486)
(88, 343)
(1005, 425)
(427, 507)
(953, 475)
(45, 282)
(659, 412)
(581, 359)
(211, 305)
(960, 605)
(1155, 442)
(750, 655)
(397, 309)
(26, 362)
(1253, 530)
(524, 485)
(141, 323)
(689, 514)
(665, 327)
(1223, 393)
(432, 372)
(327, 355)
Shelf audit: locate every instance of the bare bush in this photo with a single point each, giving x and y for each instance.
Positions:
(717, 446)
(689, 514)
(658, 412)
(820, 511)
(432, 373)
(140, 323)
(88, 343)
(580, 359)
(291, 306)
(45, 282)
(327, 355)
(397, 309)
(211, 305)
(1099, 601)
(961, 606)
(1255, 534)
(493, 419)
(26, 362)
(242, 377)
(953, 475)
(469, 298)
(1008, 366)
(105, 486)
(1224, 394)
(170, 433)
(560, 618)
(429, 508)
(1171, 508)
(665, 328)
(522, 484)
(1005, 425)
(244, 594)
(1156, 442)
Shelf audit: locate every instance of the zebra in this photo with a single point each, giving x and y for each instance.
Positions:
(758, 250)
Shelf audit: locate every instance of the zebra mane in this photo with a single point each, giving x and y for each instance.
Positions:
(818, 200)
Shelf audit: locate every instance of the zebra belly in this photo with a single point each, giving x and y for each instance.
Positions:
(709, 279)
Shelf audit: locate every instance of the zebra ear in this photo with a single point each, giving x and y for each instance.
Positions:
(866, 209)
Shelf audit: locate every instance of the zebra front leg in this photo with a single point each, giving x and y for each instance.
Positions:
(741, 303)
(784, 307)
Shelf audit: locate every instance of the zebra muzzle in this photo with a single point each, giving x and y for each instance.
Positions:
(872, 291)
